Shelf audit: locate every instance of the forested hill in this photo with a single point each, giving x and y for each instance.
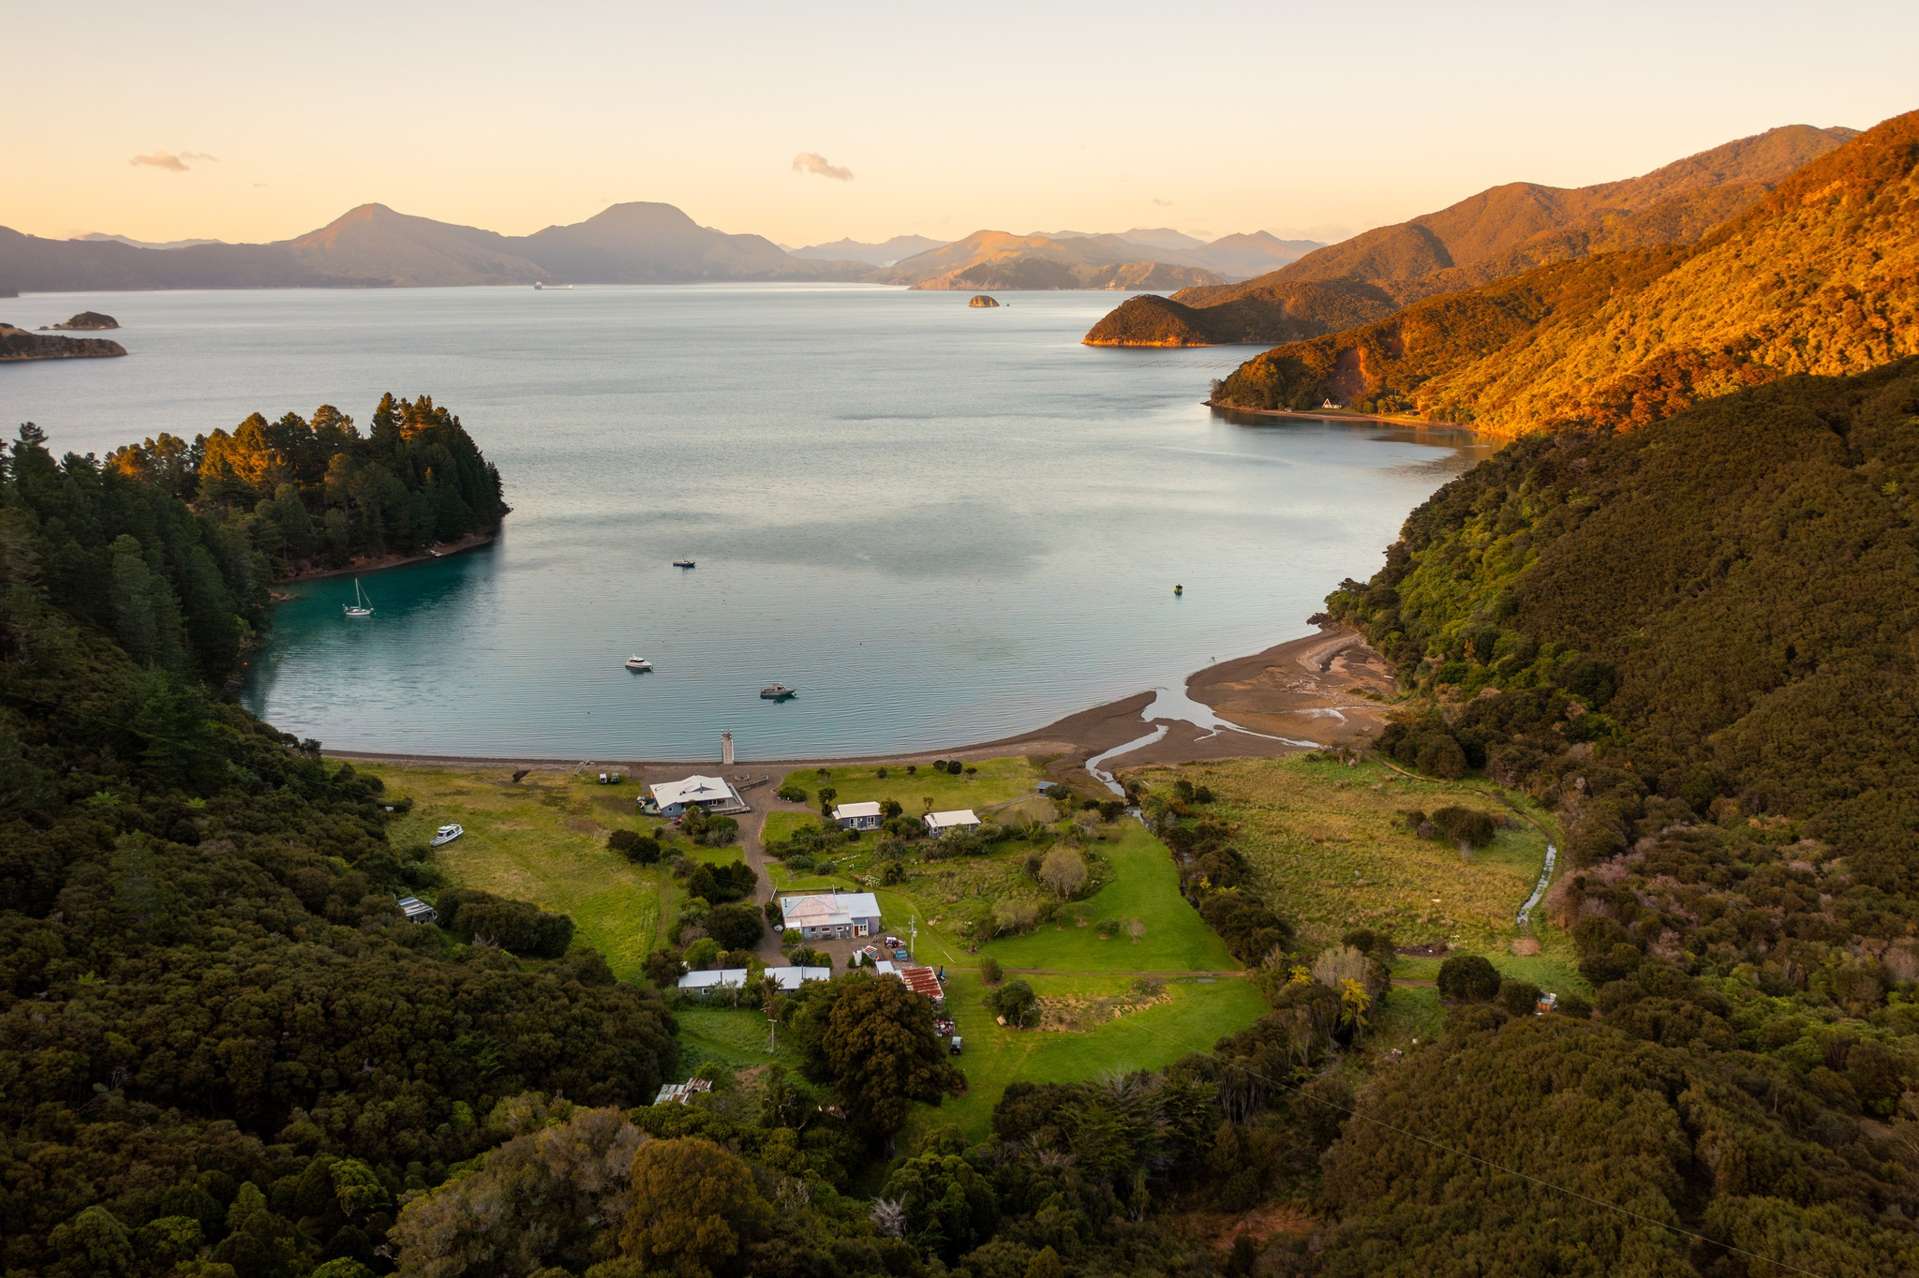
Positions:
(316, 493)
(1496, 233)
(1821, 276)
(1697, 639)
(221, 1048)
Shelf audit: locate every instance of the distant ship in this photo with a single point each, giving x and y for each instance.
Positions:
(541, 286)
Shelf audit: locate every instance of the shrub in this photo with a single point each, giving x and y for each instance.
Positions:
(1465, 825)
(990, 971)
(792, 793)
(912, 769)
(880, 773)
(515, 926)
(1016, 1003)
(1064, 871)
(1521, 998)
(641, 849)
(1574, 1006)
(1468, 978)
(663, 968)
(701, 953)
(1014, 914)
(736, 926)
(891, 873)
(721, 883)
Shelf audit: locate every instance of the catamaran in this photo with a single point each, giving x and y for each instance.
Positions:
(361, 605)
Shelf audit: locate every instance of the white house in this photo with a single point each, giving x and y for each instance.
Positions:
(857, 816)
(715, 794)
(734, 978)
(826, 916)
(940, 823)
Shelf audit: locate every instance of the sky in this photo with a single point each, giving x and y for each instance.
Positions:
(810, 122)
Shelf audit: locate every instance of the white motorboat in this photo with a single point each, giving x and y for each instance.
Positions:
(361, 605)
(778, 692)
(446, 834)
(639, 663)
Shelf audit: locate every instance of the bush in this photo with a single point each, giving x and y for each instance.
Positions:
(737, 926)
(792, 793)
(1016, 1003)
(1466, 825)
(721, 883)
(990, 971)
(1012, 915)
(641, 849)
(1469, 978)
(515, 926)
(663, 968)
(702, 953)
(1574, 1006)
(1521, 998)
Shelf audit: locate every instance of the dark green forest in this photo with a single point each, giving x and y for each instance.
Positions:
(315, 493)
(1700, 641)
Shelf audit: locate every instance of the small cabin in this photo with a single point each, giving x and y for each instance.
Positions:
(940, 824)
(857, 816)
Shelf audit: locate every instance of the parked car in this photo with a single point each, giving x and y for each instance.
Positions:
(958, 1043)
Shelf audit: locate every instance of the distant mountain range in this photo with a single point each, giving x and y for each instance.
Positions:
(1821, 275)
(1003, 260)
(884, 253)
(1144, 257)
(373, 246)
(1497, 233)
(102, 237)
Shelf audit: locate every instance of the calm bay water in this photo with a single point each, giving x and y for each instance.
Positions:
(941, 524)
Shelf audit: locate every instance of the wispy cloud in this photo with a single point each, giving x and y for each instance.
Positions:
(173, 161)
(1162, 204)
(814, 162)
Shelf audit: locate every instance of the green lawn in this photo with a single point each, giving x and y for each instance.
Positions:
(1333, 852)
(1185, 1016)
(1144, 887)
(543, 840)
(997, 781)
(736, 1036)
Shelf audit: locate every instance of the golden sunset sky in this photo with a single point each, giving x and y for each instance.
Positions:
(259, 122)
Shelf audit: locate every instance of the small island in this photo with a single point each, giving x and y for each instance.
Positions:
(87, 322)
(982, 300)
(19, 344)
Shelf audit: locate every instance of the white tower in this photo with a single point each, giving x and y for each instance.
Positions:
(726, 749)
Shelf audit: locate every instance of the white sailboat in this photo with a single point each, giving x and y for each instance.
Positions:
(361, 605)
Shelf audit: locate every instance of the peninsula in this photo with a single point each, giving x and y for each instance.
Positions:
(18, 344)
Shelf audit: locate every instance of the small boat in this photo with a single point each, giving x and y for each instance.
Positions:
(639, 663)
(446, 834)
(361, 605)
(682, 563)
(778, 692)
(1179, 590)
(540, 286)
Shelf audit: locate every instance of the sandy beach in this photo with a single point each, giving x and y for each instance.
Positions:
(1327, 688)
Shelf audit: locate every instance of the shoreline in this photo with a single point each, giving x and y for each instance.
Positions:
(1326, 687)
(1343, 415)
(381, 563)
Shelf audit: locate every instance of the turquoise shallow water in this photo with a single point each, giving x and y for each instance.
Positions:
(941, 524)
